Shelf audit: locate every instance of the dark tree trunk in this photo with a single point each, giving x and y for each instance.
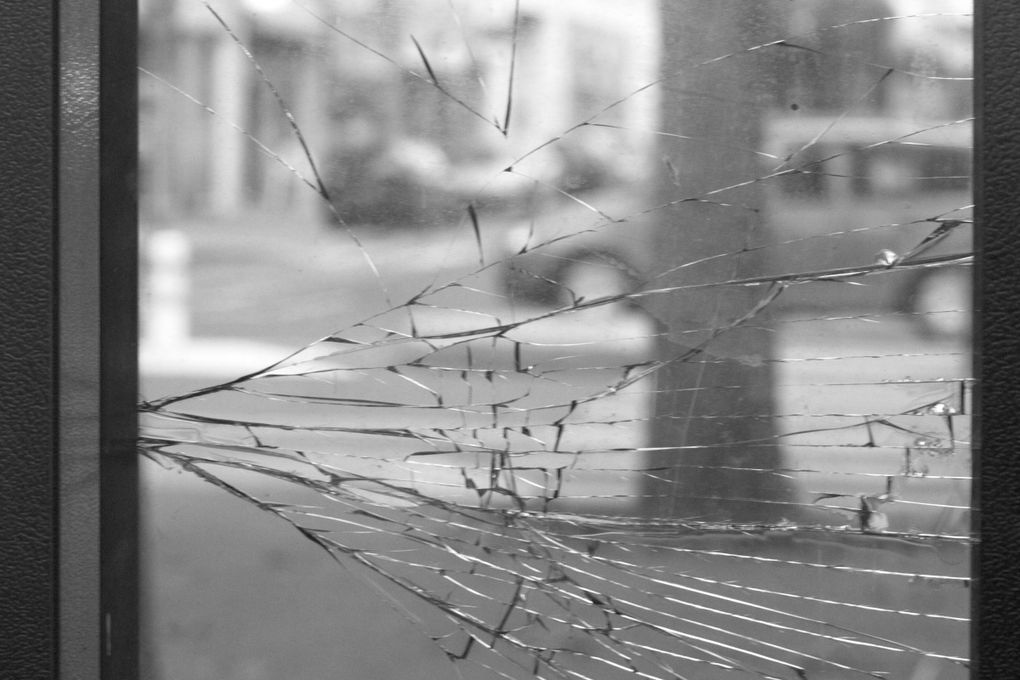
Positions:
(714, 398)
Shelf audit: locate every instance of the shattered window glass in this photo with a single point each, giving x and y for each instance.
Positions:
(587, 339)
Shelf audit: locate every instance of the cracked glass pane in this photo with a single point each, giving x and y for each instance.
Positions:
(587, 339)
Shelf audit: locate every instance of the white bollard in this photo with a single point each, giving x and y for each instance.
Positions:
(165, 318)
(167, 348)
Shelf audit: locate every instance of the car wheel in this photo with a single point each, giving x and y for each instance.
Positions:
(594, 274)
(940, 301)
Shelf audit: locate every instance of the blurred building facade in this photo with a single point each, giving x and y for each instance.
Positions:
(358, 87)
(356, 76)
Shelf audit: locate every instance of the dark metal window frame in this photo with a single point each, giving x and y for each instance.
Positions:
(68, 504)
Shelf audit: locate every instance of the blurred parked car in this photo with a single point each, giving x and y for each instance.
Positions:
(848, 192)
(839, 194)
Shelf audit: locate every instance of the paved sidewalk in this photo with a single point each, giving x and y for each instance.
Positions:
(249, 293)
(270, 281)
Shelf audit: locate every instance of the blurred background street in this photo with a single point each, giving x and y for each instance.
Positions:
(489, 164)
(233, 594)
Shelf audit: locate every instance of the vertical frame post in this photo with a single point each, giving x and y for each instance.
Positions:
(67, 350)
(997, 343)
(117, 230)
(28, 371)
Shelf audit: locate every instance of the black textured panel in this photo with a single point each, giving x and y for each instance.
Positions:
(118, 330)
(998, 101)
(27, 495)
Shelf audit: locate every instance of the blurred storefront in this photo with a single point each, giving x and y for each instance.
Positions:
(394, 120)
(364, 100)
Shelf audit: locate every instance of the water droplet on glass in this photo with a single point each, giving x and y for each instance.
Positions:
(941, 409)
(886, 257)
